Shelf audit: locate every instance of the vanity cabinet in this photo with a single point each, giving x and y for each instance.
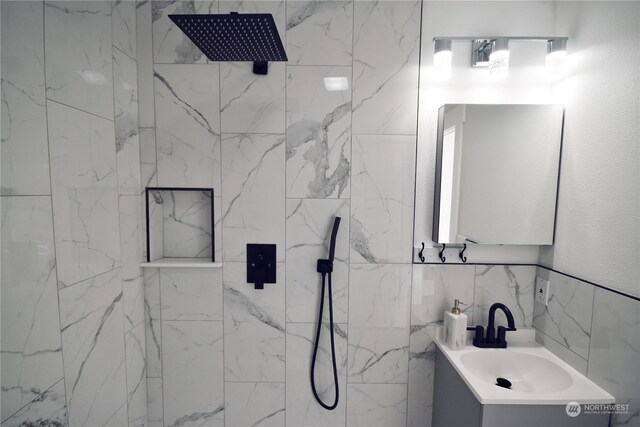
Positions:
(455, 405)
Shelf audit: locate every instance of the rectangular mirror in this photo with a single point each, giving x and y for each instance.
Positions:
(497, 169)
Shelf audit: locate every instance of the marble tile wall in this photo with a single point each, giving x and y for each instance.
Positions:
(434, 287)
(282, 154)
(73, 339)
(597, 332)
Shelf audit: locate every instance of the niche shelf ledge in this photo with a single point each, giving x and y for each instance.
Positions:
(181, 263)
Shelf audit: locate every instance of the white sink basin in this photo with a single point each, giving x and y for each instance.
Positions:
(527, 373)
(538, 377)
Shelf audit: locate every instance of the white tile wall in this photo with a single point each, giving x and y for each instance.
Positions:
(192, 360)
(78, 60)
(25, 158)
(318, 132)
(31, 348)
(63, 293)
(278, 150)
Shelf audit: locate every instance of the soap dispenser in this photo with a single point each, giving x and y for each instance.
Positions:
(454, 331)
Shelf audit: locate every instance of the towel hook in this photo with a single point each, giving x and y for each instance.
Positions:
(441, 254)
(420, 255)
(461, 254)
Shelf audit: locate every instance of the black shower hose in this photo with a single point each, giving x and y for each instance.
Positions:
(333, 348)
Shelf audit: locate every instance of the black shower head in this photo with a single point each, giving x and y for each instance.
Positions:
(234, 37)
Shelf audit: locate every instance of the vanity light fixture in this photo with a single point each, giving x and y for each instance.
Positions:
(442, 58)
(493, 53)
(556, 56)
(499, 58)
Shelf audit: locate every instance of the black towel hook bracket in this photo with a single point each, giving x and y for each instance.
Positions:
(441, 254)
(461, 254)
(420, 254)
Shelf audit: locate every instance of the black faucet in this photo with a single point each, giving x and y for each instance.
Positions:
(491, 341)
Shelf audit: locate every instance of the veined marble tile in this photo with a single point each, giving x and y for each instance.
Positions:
(253, 201)
(25, 158)
(385, 67)
(193, 383)
(187, 223)
(567, 318)
(302, 408)
(93, 346)
(251, 103)
(254, 326)
(123, 22)
(136, 376)
(153, 343)
(156, 225)
(378, 355)
(144, 59)
(318, 132)
(132, 296)
(187, 103)
(85, 201)
(126, 121)
(439, 286)
(614, 356)
(31, 349)
(379, 295)
(49, 409)
(131, 231)
(79, 71)
(191, 294)
(319, 32)
(577, 362)
(148, 163)
(170, 44)
(382, 198)
(254, 404)
(153, 335)
(119, 418)
(422, 353)
(152, 293)
(274, 7)
(377, 405)
(154, 402)
(309, 225)
(511, 285)
(379, 298)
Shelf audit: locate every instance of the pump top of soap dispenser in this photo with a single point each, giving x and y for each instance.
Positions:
(455, 309)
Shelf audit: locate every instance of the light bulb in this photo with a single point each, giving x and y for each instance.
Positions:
(442, 64)
(442, 59)
(499, 59)
(556, 57)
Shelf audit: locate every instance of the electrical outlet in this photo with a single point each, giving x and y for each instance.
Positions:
(542, 291)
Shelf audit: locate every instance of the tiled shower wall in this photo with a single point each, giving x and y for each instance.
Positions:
(285, 155)
(72, 293)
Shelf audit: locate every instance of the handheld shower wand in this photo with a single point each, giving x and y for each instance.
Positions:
(325, 268)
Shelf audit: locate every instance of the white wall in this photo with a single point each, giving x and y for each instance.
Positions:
(527, 83)
(598, 222)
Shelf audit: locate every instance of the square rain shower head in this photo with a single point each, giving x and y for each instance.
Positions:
(234, 37)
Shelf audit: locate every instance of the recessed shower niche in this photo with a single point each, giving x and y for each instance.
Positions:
(180, 225)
